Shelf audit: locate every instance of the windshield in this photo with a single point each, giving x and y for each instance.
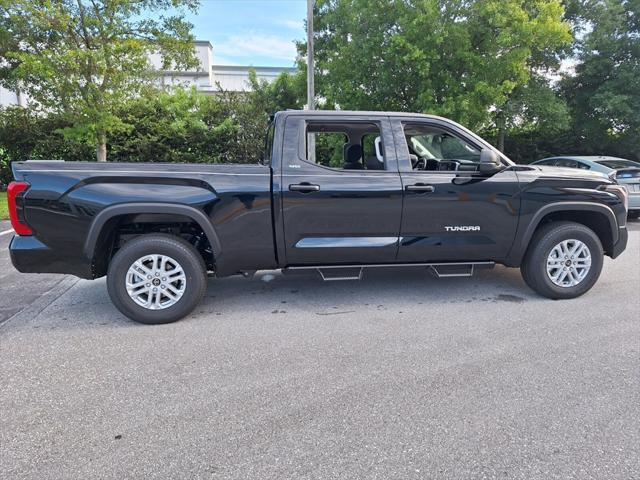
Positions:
(615, 164)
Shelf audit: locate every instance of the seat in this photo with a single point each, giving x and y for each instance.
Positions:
(352, 157)
(374, 164)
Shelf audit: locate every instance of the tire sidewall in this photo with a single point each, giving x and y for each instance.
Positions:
(537, 264)
(178, 249)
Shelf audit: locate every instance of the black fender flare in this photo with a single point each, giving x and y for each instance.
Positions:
(95, 230)
(566, 206)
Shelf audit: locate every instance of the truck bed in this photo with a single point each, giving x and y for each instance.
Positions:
(66, 202)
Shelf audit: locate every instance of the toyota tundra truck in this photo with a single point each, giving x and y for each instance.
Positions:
(335, 192)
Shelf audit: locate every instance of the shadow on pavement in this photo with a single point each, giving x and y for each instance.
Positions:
(273, 294)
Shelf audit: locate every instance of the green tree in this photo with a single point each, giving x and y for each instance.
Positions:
(285, 92)
(85, 58)
(604, 93)
(463, 59)
(535, 108)
(183, 125)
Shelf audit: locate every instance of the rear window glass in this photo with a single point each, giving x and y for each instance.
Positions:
(619, 163)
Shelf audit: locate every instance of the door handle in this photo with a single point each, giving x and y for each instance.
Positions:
(304, 187)
(420, 187)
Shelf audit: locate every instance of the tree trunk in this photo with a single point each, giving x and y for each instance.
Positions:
(101, 151)
(501, 135)
(502, 127)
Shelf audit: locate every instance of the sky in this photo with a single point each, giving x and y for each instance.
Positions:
(251, 32)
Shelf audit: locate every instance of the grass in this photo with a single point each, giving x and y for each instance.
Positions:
(4, 211)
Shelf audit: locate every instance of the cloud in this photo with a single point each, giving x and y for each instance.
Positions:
(255, 44)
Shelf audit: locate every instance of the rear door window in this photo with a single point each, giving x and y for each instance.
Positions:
(344, 145)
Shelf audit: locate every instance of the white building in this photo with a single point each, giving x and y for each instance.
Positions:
(208, 77)
(211, 78)
(9, 97)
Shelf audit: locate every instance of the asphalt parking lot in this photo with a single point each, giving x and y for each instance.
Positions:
(398, 376)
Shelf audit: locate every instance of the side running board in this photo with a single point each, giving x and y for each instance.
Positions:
(330, 273)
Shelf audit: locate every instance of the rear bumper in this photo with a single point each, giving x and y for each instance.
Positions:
(30, 255)
(634, 201)
(621, 244)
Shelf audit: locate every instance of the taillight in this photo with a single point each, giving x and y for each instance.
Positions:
(17, 218)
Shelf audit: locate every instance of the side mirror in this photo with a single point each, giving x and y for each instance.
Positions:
(489, 162)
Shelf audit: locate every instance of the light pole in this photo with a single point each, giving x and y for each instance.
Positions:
(310, 68)
(311, 138)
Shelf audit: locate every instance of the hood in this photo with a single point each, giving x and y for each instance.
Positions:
(562, 172)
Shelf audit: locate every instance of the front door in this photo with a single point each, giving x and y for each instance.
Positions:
(341, 190)
(451, 211)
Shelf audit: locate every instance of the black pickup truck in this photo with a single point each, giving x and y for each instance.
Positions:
(335, 192)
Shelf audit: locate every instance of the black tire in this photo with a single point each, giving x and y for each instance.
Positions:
(183, 252)
(633, 214)
(534, 265)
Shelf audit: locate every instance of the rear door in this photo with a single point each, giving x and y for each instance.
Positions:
(341, 191)
(451, 212)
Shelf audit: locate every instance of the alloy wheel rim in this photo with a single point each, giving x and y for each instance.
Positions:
(568, 263)
(156, 282)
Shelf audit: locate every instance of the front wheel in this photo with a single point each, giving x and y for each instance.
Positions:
(156, 278)
(564, 260)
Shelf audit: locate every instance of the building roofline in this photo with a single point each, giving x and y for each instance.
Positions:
(256, 68)
(183, 73)
(203, 42)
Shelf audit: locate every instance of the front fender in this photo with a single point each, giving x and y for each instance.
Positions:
(568, 206)
(576, 208)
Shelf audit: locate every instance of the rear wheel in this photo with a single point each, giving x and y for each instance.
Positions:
(564, 260)
(156, 279)
(633, 214)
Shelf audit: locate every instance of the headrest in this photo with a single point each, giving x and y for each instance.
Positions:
(352, 153)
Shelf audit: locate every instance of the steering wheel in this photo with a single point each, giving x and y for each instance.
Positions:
(418, 163)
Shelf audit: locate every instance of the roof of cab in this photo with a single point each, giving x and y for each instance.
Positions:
(351, 113)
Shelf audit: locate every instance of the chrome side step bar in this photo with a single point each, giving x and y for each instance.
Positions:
(330, 273)
(444, 271)
(338, 274)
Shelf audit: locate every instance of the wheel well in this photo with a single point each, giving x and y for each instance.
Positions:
(119, 229)
(596, 221)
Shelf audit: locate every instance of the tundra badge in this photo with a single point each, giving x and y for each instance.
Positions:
(462, 228)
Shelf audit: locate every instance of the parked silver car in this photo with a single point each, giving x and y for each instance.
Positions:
(625, 172)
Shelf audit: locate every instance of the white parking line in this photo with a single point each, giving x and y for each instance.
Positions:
(6, 232)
